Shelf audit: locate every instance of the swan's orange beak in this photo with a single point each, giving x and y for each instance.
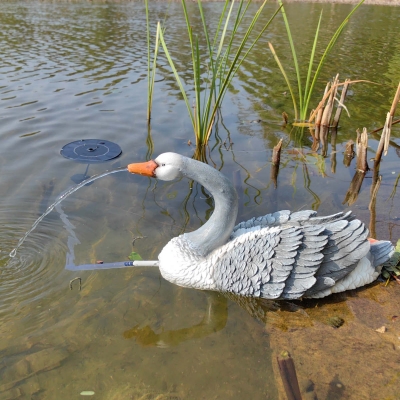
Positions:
(145, 168)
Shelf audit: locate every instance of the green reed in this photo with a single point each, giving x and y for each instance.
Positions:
(151, 61)
(305, 96)
(225, 53)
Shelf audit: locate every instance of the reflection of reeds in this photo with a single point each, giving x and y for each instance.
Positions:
(354, 188)
(149, 143)
(361, 169)
(276, 159)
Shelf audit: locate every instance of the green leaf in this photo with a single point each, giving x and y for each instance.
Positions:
(135, 256)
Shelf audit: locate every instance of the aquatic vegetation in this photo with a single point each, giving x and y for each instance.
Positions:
(392, 267)
(304, 96)
(151, 63)
(212, 77)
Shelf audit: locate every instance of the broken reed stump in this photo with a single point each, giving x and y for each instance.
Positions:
(320, 112)
(276, 159)
(327, 114)
(361, 167)
(361, 150)
(376, 183)
(341, 104)
(348, 153)
(385, 136)
(289, 377)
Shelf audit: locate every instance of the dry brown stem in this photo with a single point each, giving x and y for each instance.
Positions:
(276, 159)
(327, 94)
(326, 115)
(320, 109)
(376, 183)
(289, 377)
(385, 136)
(341, 102)
(362, 146)
(348, 153)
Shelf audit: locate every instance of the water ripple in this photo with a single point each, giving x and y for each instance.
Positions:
(33, 274)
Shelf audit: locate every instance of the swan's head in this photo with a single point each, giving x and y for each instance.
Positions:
(167, 167)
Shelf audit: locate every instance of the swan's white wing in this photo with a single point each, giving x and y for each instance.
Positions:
(288, 262)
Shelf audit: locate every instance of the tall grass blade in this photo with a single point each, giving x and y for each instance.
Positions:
(293, 50)
(304, 97)
(177, 78)
(310, 65)
(152, 75)
(151, 72)
(296, 115)
(329, 48)
(212, 80)
(237, 61)
(149, 90)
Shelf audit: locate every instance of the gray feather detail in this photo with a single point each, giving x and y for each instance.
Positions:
(381, 252)
(330, 218)
(308, 260)
(321, 284)
(302, 215)
(269, 220)
(341, 255)
(290, 255)
(269, 256)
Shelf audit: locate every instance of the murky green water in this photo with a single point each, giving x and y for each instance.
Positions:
(77, 70)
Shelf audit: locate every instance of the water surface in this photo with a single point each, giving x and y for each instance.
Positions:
(77, 70)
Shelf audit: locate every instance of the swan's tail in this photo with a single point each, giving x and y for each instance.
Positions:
(381, 251)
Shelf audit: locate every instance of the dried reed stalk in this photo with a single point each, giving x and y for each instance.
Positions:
(348, 153)
(362, 146)
(341, 102)
(376, 183)
(385, 136)
(276, 159)
(288, 374)
(326, 116)
(321, 107)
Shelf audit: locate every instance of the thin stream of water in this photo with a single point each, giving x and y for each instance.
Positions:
(58, 201)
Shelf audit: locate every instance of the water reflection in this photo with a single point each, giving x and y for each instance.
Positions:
(73, 70)
(215, 319)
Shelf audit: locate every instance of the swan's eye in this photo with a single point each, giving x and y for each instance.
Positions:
(163, 165)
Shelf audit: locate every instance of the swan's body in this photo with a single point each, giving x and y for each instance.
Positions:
(278, 256)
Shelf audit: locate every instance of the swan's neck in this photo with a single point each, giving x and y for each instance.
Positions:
(216, 231)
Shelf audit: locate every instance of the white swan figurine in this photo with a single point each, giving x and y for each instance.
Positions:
(284, 255)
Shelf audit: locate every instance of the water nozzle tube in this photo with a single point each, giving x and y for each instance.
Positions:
(118, 264)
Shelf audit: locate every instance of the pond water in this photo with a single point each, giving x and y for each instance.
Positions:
(77, 70)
